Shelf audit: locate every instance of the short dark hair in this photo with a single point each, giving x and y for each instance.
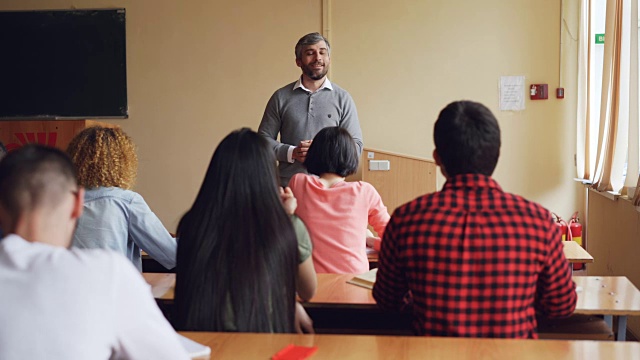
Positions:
(332, 151)
(467, 138)
(310, 39)
(33, 176)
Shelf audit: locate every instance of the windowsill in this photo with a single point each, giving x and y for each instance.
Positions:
(607, 194)
(583, 181)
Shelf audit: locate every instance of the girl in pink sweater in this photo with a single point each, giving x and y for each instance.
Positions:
(337, 212)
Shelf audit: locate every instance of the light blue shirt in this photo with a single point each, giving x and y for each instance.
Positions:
(122, 221)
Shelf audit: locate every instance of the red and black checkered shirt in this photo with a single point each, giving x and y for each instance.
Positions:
(478, 261)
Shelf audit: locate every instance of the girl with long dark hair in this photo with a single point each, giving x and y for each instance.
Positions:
(241, 256)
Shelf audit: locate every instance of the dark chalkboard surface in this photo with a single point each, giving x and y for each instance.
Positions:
(63, 64)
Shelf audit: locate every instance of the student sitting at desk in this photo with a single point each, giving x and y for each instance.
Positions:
(337, 212)
(477, 261)
(115, 217)
(61, 303)
(241, 255)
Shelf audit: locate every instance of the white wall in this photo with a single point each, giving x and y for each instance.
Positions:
(404, 60)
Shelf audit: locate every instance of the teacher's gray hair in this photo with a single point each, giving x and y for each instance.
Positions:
(310, 39)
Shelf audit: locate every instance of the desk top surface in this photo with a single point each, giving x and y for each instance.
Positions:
(615, 294)
(264, 346)
(572, 251)
(576, 253)
(602, 295)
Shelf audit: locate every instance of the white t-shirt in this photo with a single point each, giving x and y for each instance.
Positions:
(57, 303)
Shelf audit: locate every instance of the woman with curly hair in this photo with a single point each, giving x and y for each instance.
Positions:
(115, 217)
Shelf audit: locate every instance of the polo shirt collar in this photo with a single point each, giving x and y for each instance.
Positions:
(325, 85)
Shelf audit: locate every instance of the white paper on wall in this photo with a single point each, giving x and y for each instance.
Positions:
(512, 93)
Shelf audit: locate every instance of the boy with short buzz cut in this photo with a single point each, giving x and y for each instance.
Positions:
(478, 262)
(61, 303)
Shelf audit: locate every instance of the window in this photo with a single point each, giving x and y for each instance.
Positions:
(608, 97)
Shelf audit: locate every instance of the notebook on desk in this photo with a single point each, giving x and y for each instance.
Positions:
(365, 280)
(194, 349)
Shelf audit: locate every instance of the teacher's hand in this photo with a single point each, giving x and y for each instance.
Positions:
(300, 151)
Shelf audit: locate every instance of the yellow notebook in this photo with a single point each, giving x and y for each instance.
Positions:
(365, 280)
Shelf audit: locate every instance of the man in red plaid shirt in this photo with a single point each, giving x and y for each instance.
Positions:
(475, 261)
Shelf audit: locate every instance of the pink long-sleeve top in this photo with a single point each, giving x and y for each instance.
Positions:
(337, 219)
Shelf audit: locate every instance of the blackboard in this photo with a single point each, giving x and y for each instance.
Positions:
(63, 64)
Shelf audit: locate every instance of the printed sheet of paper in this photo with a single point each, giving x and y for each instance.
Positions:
(512, 93)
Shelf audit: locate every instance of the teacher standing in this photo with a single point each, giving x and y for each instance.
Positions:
(298, 111)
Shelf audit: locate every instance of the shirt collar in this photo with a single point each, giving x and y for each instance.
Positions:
(325, 85)
(472, 181)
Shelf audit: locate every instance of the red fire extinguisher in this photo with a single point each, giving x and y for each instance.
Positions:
(575, 231)
(576, 228)
(563, 226)
(571, 230)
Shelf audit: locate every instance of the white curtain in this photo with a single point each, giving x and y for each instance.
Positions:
(584, 167)
(607, 123)
(634, 147)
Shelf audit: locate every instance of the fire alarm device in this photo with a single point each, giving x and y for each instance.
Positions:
(560, 93)
(539, 91)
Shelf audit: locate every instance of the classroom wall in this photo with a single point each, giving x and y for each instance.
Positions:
(198, 69)
(404, 60)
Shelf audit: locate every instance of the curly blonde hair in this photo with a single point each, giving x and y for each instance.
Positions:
(104, 157)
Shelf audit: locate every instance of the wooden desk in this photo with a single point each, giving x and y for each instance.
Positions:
(572, 251)
(597, 295)
(332, 290)
(609, 296)
(264, 346)
(576, 253)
